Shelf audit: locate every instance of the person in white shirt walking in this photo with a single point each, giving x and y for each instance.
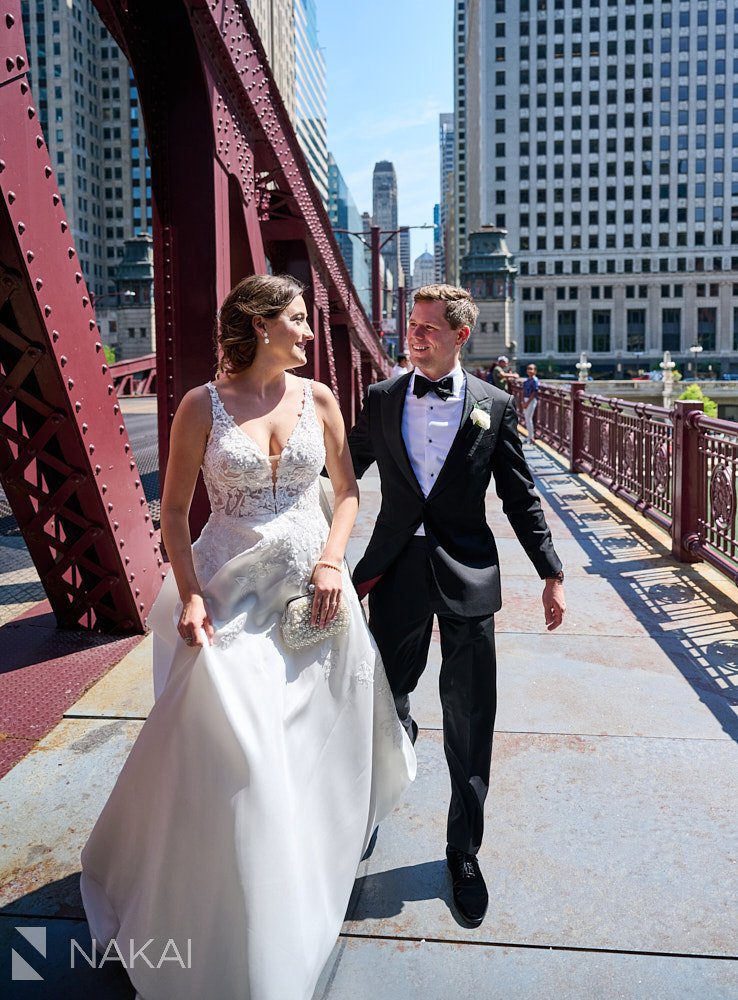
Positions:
(530, 401)
(438, 434)
(401, 366)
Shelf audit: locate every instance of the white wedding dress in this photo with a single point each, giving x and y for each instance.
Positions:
(241, 814)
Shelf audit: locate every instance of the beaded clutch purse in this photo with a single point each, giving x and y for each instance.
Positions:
(299, 633)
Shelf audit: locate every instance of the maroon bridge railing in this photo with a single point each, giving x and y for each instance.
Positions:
(678, 467)
(136, 377)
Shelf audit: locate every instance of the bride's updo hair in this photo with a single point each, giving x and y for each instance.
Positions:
(259, 295)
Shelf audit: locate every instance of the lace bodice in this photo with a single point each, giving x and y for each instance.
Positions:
(238, 475)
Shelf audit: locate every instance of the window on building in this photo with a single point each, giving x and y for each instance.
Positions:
(707, 327)
(600, 331)
(636, 330)
(567, 331)
(671, 329)
(532, 332)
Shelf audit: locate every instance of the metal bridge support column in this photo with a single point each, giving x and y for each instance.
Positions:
(344, 373)
(686, 481)
(65, 459)
(577, 425)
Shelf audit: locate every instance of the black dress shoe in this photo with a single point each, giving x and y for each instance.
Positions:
(470, 892)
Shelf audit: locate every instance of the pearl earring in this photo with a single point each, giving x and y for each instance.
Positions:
(266, 338)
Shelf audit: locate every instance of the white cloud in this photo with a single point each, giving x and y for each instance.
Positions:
(375, 125)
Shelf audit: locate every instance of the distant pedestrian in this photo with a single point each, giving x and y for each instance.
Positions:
(401, 366)
(530, 401)
(499, 374)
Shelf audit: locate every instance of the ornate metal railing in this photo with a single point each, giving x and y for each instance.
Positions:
(628, 447)
(716, 535)
(553, 416)
(678, 467)
(136, 377)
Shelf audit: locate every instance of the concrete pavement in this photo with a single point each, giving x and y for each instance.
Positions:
(611, 841)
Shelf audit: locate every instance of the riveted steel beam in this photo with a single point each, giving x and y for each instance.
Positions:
(65, 459)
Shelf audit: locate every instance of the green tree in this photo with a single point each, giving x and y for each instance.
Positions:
(694, 392)
(109, 354)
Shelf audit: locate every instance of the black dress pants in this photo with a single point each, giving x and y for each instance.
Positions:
(401, 609)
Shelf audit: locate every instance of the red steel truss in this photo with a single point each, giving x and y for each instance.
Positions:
(232, 195)
(65, 458)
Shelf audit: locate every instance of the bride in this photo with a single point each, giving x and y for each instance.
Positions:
(231, 839)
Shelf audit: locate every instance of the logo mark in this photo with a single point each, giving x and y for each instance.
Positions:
(20, 970)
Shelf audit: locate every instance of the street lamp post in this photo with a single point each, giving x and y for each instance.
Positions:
(667, 366)
(695, 350)
(97, 299)
(401, 318)
(375, 245)
(583, 366)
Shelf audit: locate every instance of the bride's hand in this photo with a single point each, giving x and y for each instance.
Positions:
(195, 620)
(327, 595)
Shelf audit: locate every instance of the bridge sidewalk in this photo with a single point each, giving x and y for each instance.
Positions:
(610, 849)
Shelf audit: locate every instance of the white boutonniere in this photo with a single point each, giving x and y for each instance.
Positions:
(480, 418)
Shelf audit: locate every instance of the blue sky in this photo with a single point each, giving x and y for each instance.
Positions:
(389, 76)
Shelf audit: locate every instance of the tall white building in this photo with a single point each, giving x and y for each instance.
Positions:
(461, 144)
(446, 239)
(604, 137)
(89, 111)
(384, 213)
(405, 256)
(274, 21)
(424, 270)
(310, 94)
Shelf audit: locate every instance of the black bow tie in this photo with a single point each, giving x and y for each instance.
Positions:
(443, 388)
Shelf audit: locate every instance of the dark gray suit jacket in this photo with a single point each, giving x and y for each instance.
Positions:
(463, 551)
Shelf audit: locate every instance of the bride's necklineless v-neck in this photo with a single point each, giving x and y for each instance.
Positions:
(252, 441)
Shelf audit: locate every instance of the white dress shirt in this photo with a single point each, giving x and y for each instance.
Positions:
(429, 426)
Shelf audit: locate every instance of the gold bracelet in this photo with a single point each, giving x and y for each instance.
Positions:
(328, 565)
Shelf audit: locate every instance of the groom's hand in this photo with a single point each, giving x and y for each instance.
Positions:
(554, 603)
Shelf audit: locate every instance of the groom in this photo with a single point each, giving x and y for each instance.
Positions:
(437, 435)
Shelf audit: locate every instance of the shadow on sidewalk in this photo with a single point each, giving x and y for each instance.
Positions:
(693, 622)
(383, 894)
(57, 908)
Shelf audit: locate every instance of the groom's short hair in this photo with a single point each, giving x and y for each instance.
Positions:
(461, 310)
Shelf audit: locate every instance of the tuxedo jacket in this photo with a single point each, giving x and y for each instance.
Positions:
(462, 547)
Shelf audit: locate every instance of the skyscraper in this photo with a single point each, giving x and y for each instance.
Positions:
(440, 267)
(88, 108)
(274, 21)
(405, 256)
(424, 270)
(310, 94)
(384, 212)
(460, 143)
(607, 145)
(344, 214)
(446, 241)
